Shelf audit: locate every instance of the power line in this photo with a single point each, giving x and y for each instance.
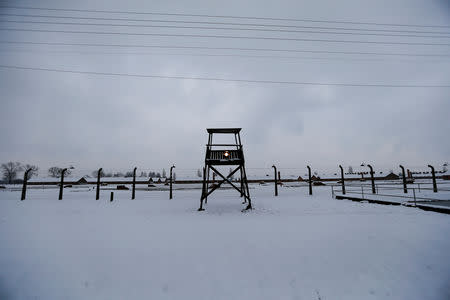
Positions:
(224, 37)
(289, 58)
(222, 48)
(223, 28)
(220, 16)
(222, 79)
(221, 23)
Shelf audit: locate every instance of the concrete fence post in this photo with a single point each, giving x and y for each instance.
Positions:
(61, 186)
(171, 181)
(405, 190)
(276, 181)
(342, 179)
(133, 191)
(97, 192)
(24, 186)
(433, 175)
(309, 179)
(372, 179)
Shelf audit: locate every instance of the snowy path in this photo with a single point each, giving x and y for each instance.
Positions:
(291, 247)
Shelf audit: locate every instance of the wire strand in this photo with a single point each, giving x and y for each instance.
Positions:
(224, 37)
(223, 79)
(219, 16)
(288, 58)
(224, 28)
(221, 48)
(222, 23)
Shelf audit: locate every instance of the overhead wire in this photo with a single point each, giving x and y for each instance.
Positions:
(220, 16)
(287, 58)
(221, 23)
(235, 80)
(277, 38)
(225, 48)
(224, 37)
(224, 28)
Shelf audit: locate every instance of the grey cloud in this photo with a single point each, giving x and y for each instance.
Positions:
(50, 118)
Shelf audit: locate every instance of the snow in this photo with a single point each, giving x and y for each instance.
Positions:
(293, 246)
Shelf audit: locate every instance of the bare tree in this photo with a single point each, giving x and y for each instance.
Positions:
(350, 169)
(10, 169)
(199, 174)
(164, 173)
(174, 176)
(56, 172)
(33, 172)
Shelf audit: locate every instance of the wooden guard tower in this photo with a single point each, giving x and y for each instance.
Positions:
(224, 155)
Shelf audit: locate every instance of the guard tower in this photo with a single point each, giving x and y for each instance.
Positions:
(224, 155)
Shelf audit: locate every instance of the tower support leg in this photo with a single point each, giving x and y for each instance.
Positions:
(249, 205)
(207, 185)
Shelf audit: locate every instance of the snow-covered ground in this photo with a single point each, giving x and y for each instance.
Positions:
(293, 246)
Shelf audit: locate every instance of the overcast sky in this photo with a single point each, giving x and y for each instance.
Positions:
(50, 118)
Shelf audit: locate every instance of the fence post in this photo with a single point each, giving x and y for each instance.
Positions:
(309, 179)
(276, 182)
(434, 178)
(362, 191)
(97, 192)
(133, 192)
(111, 197)
(61, 187)
(332, 192)
(342, 179)
(372, 179)
(24, 186)
(414, 193)
(405, 190)
(170, 194)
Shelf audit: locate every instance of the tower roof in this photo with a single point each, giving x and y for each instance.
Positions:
(224, 130)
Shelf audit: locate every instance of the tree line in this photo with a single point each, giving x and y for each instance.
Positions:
(11, 170)
(130, 174)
